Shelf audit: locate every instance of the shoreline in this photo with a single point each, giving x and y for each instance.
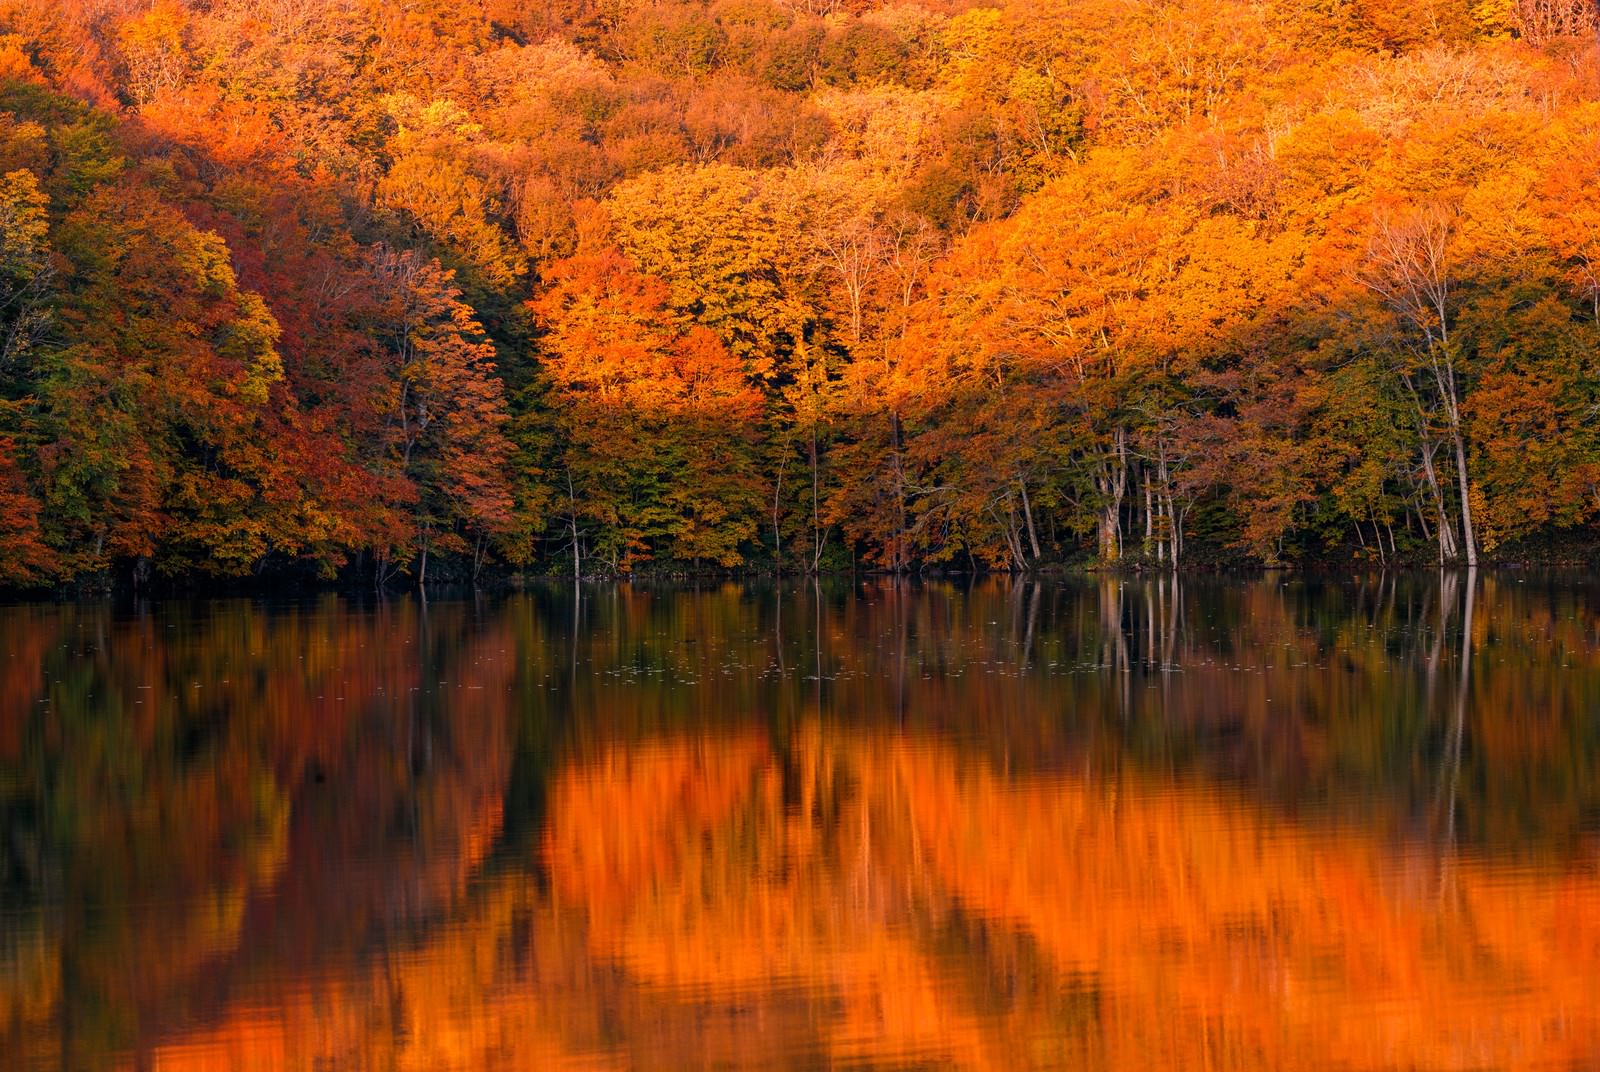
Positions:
(201, 587)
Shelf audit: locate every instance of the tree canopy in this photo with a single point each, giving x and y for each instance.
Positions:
(346, 287)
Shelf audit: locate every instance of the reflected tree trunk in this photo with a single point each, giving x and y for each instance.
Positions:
(1450, 766)
(1034, 589)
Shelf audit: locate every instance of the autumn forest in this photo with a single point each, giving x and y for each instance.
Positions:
(416, 290)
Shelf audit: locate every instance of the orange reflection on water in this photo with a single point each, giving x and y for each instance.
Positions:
(862, 899)
(1223, 934)
(1214, 934)
(1288, 834)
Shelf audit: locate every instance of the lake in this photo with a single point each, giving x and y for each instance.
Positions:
(1114, 823)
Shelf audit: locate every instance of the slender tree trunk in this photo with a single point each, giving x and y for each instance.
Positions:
(1445, 530)
(816, 513)
(572, 516)
(899, 557)
(1174, 525)
(1177, 537)
(1010, 530)
(1166, 544)
(1149, 521)
(1108, 535)
(1113, 482)
(777, 531)
(1468, 536)
(1122, 484)
(1027, 513)
(777, 501)
(1444, 374)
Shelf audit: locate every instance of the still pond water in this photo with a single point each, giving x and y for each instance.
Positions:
(1132, 824)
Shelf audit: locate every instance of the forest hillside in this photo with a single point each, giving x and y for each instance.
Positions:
(414, 289)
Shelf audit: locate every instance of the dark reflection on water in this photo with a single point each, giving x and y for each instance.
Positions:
(1123, 824)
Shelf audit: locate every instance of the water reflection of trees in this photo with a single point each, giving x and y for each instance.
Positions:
(187, 792)
(1015, 824)
(864, 897)
(1320, 694)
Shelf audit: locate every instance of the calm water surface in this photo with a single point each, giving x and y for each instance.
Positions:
(1122, 824)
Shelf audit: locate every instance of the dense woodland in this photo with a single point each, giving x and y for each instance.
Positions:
(411, 289)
